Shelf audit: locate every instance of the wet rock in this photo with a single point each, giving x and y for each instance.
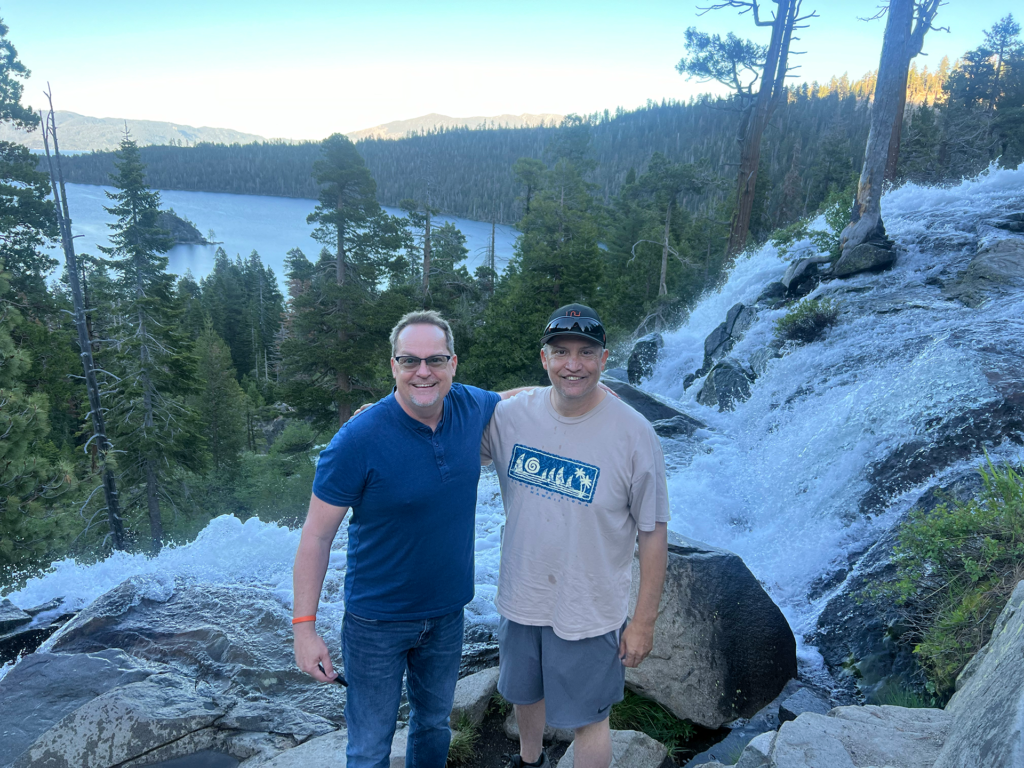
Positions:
(678, 425)
(690, 378)
(630, 749)
(1012, 222)
(772, 296)
(722, 648)
(275, 717)
(726, 384)
(329, 752)
(988, 707)
(12, 616)
(801, 271)
(802, 701)
(739, 319)
(857, 635)
(44, 687)
(643, 357)
(995, 269)
(717, 345)
(473, 694)
(760, 359)
(866, 257)
(650, 407)
(619, 374)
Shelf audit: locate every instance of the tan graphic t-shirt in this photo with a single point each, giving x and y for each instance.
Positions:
(575, 492)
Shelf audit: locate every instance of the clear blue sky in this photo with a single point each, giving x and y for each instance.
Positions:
(305, 69)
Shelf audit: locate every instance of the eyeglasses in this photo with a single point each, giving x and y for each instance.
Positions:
(412, 363)
(589, 325)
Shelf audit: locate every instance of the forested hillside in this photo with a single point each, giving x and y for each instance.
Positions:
(819, 134)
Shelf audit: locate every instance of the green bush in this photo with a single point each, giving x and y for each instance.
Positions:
(635, 713)
(808, 320)
(956, 566)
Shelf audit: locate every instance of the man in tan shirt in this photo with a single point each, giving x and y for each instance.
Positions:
(581, 474)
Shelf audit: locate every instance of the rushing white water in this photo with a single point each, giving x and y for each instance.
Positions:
(779, 479)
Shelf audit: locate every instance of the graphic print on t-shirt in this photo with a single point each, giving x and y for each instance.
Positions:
(553, 473)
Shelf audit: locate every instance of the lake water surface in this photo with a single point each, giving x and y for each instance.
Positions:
(243, 223)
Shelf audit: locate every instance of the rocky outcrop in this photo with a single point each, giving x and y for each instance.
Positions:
(329, 752)
(988, 707)
(643, 357)
(25, 632)
(678, 425)
(720, 341)
(630, 749)
(727, 384)
(866, 257)
(12, 616)
(994, 269)
(802, 271)
(800, 702)
(722, 648)
(650, 407)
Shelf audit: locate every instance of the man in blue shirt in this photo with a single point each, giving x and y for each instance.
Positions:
(408, 469)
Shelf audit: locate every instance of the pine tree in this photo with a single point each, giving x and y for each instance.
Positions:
(220, 402)
(149, 422)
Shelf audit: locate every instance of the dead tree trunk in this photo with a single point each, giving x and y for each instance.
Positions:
(103, 445)
(903, 40)
(893, 155)
(771, 89)
(663, 286)
(426, 261)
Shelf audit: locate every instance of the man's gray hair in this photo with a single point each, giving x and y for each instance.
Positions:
(423, 317)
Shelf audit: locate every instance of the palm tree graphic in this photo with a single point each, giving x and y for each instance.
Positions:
(583, 477)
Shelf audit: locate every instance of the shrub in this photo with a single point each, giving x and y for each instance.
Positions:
(808, 320)
(956, 566)
(462, 748)
(635, 713)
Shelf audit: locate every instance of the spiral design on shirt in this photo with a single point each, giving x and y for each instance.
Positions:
(532, 465)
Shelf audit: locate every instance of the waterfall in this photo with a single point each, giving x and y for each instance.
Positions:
(780, 479)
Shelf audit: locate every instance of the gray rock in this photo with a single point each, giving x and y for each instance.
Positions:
(630, 749)
(755, 754)
(993, 269)
(772, 295)
(643, 357)
(730, 318)
(1012, 222)
(727, 384)
(619, 374)
(12, 616)
(866, 257)
(988, 707)
(802, 269)
(717, 344)
(760, 359)
(329, 752)
(690, 378)
(800, 702)
(472, 695)
(44, 687)
(166, 711)
(678, 425)
(551, 734)
(275, 717)
(744, 319)
(862, 737)
(722, 648)
(650, 407)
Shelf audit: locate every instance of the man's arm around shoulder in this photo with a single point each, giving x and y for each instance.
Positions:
(311, 561)
(638, 637)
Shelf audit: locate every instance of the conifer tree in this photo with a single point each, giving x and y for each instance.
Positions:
(220, 401)
(149, 420)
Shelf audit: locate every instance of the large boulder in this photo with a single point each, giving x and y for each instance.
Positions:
(24, 636)
(726, 384)
(11, 616)
(329, 752)
(988, 707)
(772, 296)
(863, 737)
(551, 734)
(472, 695)
(801, 271)
(630, 749)
(997, 268)
(722, 648)
(866, 257)
(650, 407)
(643, 357)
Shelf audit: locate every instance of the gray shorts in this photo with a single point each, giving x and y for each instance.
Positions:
(579, 680)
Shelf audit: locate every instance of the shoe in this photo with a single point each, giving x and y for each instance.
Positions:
(516, 761)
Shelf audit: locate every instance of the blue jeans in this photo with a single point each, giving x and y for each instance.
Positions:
(377, 654)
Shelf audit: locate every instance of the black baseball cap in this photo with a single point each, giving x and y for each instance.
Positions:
(574, 320)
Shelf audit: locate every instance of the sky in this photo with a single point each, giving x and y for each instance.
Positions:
(306, 69)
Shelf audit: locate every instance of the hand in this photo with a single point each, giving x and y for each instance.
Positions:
(363, 407)
(310, 653)
(637, 642)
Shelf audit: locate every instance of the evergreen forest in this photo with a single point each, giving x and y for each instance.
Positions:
(218, 392)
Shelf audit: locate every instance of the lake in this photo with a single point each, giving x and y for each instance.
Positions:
(272, 226)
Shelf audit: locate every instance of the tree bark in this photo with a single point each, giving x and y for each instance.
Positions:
(772, 87)
(893, 156)
(890, 92)
(103, 445)
(662, 286)
(426, 261)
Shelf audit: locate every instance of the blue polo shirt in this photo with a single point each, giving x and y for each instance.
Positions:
(413, 497)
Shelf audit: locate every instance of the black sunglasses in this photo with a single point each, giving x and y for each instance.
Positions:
(588, 325)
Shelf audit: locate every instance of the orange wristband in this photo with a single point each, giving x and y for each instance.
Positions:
(301, 619)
